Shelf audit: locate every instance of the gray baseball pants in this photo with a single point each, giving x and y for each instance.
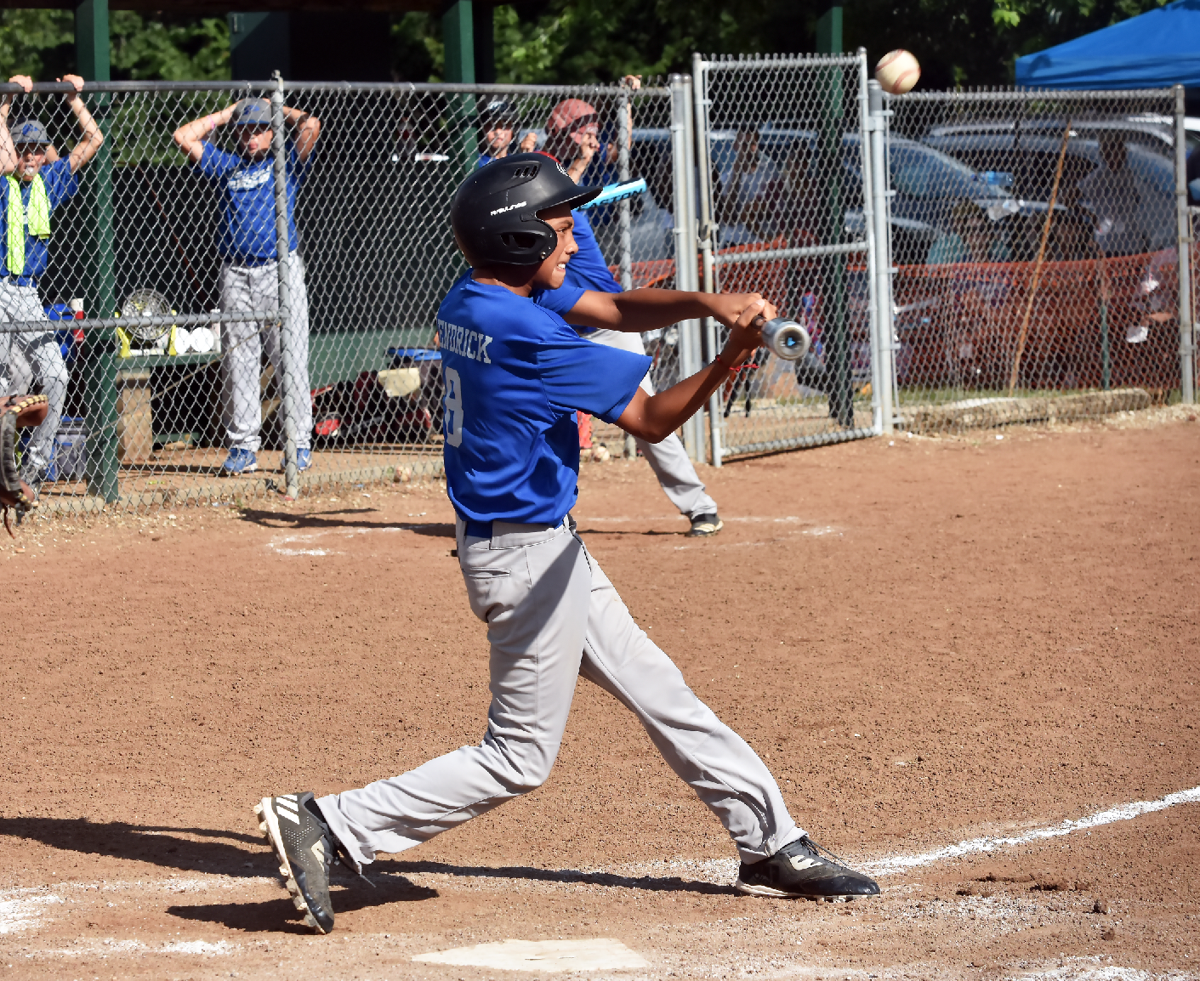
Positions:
(39, 348)
(257, 288)
(552, 616)
(668, 459)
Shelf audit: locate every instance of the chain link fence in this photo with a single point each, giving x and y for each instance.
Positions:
(784, 212)
(168, 345)
(1034, 242)
(1035, 238)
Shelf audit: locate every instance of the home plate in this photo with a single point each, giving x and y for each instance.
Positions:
(599, 954)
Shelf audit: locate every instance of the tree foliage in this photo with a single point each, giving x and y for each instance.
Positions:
(959, 42)
(41, 43)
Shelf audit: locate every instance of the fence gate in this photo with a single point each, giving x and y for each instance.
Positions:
(784, 208)
(1041, 247)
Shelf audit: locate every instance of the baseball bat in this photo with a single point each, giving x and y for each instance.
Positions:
(615, 192)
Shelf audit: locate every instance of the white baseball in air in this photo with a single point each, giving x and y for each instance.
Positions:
(897, 71)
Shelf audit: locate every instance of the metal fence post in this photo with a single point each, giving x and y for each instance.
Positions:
(1187, 340)
(868, 209)
(283, 265)
(685, 243)
(623, 206)
(877, 124)
(104, 465)
(624, 235)
(707, 236)
(837, 327)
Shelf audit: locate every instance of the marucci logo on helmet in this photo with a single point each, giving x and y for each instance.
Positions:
(510, 207)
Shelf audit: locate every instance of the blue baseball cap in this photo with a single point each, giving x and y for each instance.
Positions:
(29, 131)
(252, 112)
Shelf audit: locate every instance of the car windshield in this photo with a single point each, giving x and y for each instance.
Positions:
(922, 172)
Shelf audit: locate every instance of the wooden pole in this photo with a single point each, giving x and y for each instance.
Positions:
(1037, 266)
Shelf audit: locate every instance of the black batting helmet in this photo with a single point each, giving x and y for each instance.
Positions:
(495, 210)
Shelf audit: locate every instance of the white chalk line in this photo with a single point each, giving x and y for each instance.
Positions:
(1122, 812)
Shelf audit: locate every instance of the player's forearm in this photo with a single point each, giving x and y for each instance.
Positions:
(648, 309)
(654, 417)
(93, 136)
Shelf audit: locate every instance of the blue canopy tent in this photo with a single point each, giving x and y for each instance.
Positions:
(1156, 50)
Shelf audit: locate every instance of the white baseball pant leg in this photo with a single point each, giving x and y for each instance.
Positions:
(552, 615)
(41, 351)
(669, 460)
(257, 288)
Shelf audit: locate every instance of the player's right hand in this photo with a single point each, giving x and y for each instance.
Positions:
(24, 81)
(745, 333)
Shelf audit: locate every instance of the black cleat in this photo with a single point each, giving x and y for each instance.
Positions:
(305, 850)
(705, 525)
(798, 870)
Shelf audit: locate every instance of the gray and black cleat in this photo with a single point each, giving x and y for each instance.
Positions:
(705, 525)
(798, 870)
(305, 849)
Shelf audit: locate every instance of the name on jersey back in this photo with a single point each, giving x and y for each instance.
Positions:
(464, 342)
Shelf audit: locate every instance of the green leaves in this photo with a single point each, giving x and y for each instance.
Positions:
(41, 43)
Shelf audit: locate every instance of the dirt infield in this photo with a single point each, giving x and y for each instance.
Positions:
(929, 641)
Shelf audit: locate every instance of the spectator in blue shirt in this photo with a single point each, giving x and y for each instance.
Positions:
(250, 269)
(36, 182)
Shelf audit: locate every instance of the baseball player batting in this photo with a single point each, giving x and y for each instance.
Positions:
(515, 374)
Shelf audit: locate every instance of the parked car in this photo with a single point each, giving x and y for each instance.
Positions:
(1030, 154)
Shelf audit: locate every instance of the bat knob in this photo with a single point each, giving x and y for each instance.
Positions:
(784, 338)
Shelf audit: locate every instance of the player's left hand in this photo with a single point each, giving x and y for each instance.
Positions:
(728, 308)
(632, 82)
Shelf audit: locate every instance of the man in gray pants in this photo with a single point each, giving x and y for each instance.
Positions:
(515, 373)
(37, 182)
(250, 270)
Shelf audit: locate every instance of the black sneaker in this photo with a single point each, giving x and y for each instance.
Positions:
(305, 848)
(797, 870)
(704, 525)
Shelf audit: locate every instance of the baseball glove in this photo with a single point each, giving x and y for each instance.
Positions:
(16, 412)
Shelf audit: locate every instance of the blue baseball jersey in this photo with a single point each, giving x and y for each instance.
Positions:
(247, 189)
(514, 374)
(61, 184)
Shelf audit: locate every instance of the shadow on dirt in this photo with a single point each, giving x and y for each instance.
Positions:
(345, 518)
(280, 916)
(216, 852)
(563, 876)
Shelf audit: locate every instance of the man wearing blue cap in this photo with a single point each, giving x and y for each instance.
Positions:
(37, 182)
(250, 268)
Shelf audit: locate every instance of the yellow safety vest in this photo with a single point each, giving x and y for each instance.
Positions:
(36, 217)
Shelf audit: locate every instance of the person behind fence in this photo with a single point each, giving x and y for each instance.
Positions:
(588, 272)
(250, 270)
(744, 196)
(1114, 195)
(498, 123)
(34, 187)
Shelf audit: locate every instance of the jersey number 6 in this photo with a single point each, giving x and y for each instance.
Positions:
(452, 409)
